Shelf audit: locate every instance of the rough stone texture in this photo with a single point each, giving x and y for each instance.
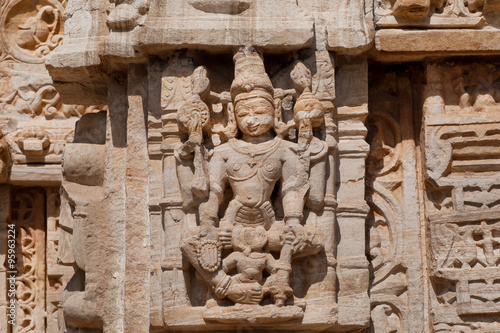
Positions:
(250, 165)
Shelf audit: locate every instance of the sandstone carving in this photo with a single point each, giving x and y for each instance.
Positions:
(249, 165)
(463, 219)
(246, 253)
(35, 29)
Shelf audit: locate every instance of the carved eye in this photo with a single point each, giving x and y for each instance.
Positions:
(269, 167)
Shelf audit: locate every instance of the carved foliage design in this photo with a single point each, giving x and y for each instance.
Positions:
(29, 31)
(386, 223)
(36, 99)
(40, 279)
(27, 215)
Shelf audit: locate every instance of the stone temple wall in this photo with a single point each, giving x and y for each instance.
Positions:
(249, 166)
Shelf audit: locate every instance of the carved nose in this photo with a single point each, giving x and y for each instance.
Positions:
(252, 121)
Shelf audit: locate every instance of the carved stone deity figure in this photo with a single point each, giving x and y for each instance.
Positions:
(259, 228)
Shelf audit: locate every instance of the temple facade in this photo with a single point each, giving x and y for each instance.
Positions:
(249, 166)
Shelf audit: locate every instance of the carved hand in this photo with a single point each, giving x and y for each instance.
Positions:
(225, 237)
(296, 236)
(208, 231)
(247, 293)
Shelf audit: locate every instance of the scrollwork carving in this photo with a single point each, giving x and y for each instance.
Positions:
(44, 101)
(35, 29)
(27, 214)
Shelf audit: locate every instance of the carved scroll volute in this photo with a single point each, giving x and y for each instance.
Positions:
(4, 158)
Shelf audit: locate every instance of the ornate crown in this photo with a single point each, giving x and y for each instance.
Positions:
(250, 77)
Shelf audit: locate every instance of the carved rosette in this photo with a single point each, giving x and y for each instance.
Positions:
(33, 29)
(30, 31)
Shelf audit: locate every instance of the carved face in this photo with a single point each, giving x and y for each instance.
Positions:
(254, 116)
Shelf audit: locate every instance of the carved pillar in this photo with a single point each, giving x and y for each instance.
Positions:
(154, 132)
(114, 204)
(137, 225)
(413, 206)
(58, 274)
(324, 88)
(352, 266)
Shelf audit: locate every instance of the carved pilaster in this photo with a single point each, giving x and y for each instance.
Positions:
(352, 267)
(81, 220)
(396, 231)
(137, 225)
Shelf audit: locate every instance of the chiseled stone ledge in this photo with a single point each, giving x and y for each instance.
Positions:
(438, 41)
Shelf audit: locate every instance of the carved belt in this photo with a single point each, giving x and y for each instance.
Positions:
(262, 215)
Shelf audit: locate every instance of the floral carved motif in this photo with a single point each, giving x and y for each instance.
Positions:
(33, 29)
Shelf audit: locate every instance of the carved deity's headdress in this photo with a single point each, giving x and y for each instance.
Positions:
(250, 77)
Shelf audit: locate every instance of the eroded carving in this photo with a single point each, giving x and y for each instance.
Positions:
(35, 29)
(221, 6)
(127, 14)
(81, 191)
(39, 142)
(38, 101)
(435, 13)
(461, 120)
(258, 195)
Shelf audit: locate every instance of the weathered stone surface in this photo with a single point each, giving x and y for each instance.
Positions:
(451, 41)
(250, 165)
